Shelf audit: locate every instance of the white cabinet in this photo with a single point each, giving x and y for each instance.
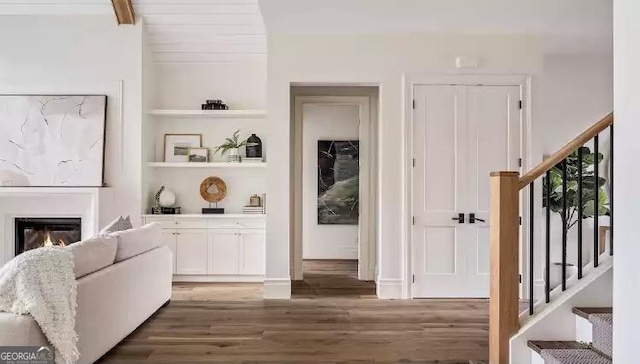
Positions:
(214, 248)
(169, 239)
(191, 257)
(223, 252)
(253, 251)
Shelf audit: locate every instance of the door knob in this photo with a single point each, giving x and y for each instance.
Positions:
(460, 218)
(473, 218)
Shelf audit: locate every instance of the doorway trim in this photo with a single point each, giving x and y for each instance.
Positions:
(366, 226)
(409, 82)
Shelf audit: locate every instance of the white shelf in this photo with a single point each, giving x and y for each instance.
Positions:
(207, 165)
(210, 114)
(208, 216)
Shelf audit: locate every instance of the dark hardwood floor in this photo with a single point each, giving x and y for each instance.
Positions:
(230, 323)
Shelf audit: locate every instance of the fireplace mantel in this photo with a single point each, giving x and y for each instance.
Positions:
(13, 191)
(17, 202)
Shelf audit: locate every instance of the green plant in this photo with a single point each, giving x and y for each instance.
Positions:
(589, 163)
(231, 143)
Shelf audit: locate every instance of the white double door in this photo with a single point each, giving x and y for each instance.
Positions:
(461, 133)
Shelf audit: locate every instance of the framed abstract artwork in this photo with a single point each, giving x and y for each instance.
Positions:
(52, 140)
(338, 182)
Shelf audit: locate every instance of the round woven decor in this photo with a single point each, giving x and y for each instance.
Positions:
(213, 189)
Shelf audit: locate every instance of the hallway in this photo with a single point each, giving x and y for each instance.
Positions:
(332, 278)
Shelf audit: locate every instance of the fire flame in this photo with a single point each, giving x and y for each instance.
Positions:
(48, 242)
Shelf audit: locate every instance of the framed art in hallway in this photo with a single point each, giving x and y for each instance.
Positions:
(52, 140)
(338, 182)
(177, 146)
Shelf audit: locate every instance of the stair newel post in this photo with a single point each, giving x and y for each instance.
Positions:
(504, 251)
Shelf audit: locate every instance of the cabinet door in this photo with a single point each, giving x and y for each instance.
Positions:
(168, 238)
(253, 251)
(223, 252)
(191, 246)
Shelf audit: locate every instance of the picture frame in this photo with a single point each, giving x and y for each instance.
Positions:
(176, 146)
(338, 182)
(198, 155)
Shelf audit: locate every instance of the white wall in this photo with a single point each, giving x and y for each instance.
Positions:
(627, 150)
(84, 55)
(325, 122)
(240, 85)
(370, 60)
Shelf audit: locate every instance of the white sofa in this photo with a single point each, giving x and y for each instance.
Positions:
(112, 303)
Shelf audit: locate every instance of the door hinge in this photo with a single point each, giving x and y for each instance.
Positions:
(413, 104)
(520, 164)
(520, 219)
(413, 278)
(413, 162)
(520, 105)
(413, 219)
(520, 275)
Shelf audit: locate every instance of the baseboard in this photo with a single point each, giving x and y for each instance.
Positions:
(389, 289)
(219, 278)
(276, 289)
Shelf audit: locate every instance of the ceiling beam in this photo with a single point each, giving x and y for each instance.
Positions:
(124, 11)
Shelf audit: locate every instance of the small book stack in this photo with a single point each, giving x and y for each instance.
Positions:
(252, 160)
(253, 210)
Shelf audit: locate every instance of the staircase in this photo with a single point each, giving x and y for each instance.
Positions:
(568, 322)
(596, 327)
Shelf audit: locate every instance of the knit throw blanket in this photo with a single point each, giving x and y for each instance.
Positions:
(41, 283)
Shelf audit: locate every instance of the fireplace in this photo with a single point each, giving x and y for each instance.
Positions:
(32, 233)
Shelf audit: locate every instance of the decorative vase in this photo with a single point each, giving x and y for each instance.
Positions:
(166, 198)
(254, 147)
(556, 274)
(234, 155)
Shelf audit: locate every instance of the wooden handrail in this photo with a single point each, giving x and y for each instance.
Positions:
(563, 153)
(504, 235)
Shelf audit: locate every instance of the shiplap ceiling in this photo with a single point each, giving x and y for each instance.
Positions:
(204, 31)
(180, 31)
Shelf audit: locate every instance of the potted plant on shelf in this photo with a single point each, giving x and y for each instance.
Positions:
(232, 146)
(588, 207)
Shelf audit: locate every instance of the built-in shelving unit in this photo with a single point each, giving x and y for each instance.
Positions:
(206, 165)
(206, 216)
(210, 114)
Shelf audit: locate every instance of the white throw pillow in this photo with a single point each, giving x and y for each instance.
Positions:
(137, 241)
(93, 254)
(119, 224)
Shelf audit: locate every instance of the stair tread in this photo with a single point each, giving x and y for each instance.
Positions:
(538, 346)
(584, 312)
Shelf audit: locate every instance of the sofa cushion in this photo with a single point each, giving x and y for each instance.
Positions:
(137, 241)
(93, 254)
(119, 224)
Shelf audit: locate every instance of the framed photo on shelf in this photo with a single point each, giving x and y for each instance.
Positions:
(198, 155)
(176, 146)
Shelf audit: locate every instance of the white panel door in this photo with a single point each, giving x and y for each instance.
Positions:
(253, 244)
(493, 145)
(168, 238)
(224, 252)
(460, 134)
(191, 252)
(439, 191)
